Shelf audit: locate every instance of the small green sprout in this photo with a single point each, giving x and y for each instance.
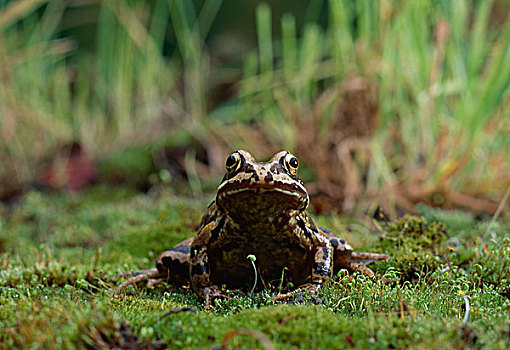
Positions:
(253, 258)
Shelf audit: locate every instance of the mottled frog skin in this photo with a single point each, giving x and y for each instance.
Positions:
(259, 209)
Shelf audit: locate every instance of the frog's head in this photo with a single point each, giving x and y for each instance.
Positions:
(250, 187)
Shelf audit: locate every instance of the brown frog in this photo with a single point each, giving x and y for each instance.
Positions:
(260, 210)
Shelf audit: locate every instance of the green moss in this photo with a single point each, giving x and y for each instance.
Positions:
(415, 233)
(415, 246)
(420, 249)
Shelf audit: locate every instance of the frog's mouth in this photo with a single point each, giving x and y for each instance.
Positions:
(287, 194)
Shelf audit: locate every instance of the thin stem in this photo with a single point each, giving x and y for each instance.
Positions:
(252, 259)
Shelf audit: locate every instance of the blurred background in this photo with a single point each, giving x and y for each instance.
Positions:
(387, 102)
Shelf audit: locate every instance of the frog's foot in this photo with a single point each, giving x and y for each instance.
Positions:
(155, 281)
(359, 260)
(311, 288)
(357, 267)
(210, 293)
(142, 275)
(366, 258)
(134, 273)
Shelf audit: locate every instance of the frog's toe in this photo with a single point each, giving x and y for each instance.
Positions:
(366, 258)
(134, 273)
(209, 294)
(283, 296)
(154, 281)
(311, 288)
(305, 297)
(357, 267)
(139, 276)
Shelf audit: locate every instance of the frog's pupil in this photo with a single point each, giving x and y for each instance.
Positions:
(231, 161)
(293, 162)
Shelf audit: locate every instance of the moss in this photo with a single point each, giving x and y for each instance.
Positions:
(415, 246)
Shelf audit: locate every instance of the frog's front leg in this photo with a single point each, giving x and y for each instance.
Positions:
(322, 268)
(200, 268)
(323, 260)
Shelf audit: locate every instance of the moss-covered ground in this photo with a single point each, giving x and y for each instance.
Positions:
(445, 286)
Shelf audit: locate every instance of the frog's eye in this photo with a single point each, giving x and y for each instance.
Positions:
(291, 163)
(233, 162)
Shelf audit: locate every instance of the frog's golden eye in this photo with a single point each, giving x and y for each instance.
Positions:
(233, 162)
(291, 163)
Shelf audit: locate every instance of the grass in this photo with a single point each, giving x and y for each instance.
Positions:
(61, 253)
(439, 76)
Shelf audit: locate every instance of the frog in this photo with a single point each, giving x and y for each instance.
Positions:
(259, 211)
